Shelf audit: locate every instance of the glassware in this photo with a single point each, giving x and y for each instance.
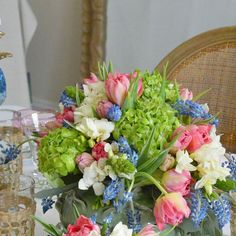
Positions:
(17, 206)
(34, 124)
(10, 137)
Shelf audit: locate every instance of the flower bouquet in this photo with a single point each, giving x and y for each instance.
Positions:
(135, 154)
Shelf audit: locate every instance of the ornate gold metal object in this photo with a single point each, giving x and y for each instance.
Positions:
(4, 54)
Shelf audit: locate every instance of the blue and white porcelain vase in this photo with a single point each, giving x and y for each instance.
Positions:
(3, 89)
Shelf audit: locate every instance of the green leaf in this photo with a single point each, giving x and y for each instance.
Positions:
(55, 191)
(206, 121)
(201, 95)
(163, 84)
(49, 228)
(77, 98)
(226, 185)
(131, 98)
(145, 150)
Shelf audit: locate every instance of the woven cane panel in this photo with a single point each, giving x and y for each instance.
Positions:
(213, 67)
(17, 220)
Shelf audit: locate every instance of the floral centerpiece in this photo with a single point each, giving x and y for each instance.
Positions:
(135, 154)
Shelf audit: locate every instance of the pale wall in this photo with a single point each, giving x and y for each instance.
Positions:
(53, 56)
(141, 32)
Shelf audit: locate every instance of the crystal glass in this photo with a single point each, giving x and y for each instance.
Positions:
(17, 206)
(11, 136)
(34, 124)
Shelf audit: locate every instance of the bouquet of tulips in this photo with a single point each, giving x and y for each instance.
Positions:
(135, 154)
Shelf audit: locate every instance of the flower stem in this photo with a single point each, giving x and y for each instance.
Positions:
(154, 181)
(131, 185)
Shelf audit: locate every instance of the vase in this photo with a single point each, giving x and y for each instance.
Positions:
(3, 90)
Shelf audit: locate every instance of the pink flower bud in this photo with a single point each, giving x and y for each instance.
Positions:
(176, 182)
(170, 209)
(98, 151)
(91, 79)
(103, 108)
(168, 163)
(149, 230)
(140, 83)
(84, 160)
(186, 94)
(117, 87)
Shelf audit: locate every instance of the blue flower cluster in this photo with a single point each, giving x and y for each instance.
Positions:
(113, 189)
(66, 100)
(124, 147)
(222, 210)
(199, 206)
(114, 113)
(231, 165)
(194, 110)
(120, 203)
(47, 204)
(93, 218)
(10, 153)
(134, 219)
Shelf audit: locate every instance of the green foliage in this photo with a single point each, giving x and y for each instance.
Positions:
(131, 99)
(227, 185)
(57, 152)
(121, 165)
(75, 93)
(151, 111)
(104, 70)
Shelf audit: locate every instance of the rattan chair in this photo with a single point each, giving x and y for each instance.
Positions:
(209, 61)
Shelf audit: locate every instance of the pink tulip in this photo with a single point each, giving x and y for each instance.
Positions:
(117, 87)
(91, 79)
(192, 137)
(184, 139)
(170, 209)
(140, 83)
(175, 182)
(186, 94)
(149, 230)
(84, 160)
(82, 227)
(103, 108)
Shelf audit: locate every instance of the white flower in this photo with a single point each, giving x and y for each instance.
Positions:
(210, 157)
(183, 162)
(94, 93)
(94, 175)
(211, 151)
(121, 229)
(96, 129)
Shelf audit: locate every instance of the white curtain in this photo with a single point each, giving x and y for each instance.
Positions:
(141, 32)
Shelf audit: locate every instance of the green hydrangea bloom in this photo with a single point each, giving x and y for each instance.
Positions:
(150, 111)
(57, 151)
(122, 166)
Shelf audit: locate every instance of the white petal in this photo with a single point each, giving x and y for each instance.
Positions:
(98, 188)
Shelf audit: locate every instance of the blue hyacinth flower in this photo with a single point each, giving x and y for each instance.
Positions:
(122, 201)
(3, 87)
(134, 220)
(222, 210)
(199, 206)
(194, 110)
(114, 113)
(112, 190)
(66, 100)
(125, 148)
